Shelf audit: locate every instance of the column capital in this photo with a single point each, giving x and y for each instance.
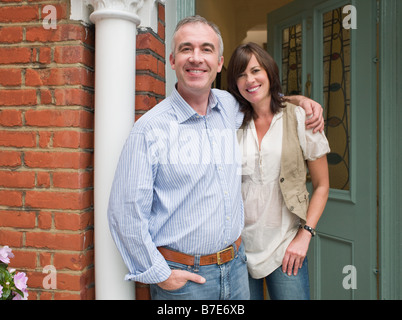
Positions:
(120, 9)
(138, 11)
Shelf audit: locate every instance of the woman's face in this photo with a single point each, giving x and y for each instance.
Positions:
(253, 84)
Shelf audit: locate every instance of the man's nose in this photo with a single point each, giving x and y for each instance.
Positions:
(196, 56)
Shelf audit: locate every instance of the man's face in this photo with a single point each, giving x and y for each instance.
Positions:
(196, 60)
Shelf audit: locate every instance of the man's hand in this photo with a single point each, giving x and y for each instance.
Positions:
(314, 116)
(179, 278)
(313, 111)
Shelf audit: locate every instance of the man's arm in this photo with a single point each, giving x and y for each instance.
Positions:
(129, 211)
(314, 118)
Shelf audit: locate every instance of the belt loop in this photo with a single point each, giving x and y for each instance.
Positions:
(197, 258)
(236, 249)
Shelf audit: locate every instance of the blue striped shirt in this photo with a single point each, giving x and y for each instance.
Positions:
(177, 184)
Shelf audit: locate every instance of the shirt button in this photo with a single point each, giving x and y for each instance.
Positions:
(282, 179)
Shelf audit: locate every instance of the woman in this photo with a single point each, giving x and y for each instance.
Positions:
(277, 149)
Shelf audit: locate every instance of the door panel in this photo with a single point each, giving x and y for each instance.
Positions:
(337, 70)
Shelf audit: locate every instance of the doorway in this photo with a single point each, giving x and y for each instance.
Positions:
(343, 257)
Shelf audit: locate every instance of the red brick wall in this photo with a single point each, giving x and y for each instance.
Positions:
(150, 65)
(46, 140)
(46, 147)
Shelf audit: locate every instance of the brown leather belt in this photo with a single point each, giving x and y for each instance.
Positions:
(219, 258)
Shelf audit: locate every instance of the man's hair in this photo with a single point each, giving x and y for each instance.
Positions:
(198, 19)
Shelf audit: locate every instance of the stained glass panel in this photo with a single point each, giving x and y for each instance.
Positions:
(337, 97)
(292, 60)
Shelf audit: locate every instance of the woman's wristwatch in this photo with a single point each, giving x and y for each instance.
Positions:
(309, 229)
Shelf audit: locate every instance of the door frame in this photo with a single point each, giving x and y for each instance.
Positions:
(390, 149)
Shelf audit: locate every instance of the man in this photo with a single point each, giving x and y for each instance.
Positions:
(175, 208)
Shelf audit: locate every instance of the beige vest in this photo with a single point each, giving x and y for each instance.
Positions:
(292, 178)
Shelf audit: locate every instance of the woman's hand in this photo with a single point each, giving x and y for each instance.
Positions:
(296, 252)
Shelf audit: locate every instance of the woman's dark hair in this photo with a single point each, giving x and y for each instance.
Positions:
(239, 62)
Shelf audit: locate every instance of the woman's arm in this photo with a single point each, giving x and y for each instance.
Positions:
(297, 249)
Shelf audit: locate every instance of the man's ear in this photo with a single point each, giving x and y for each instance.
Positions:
(220, 64)
(172, 61)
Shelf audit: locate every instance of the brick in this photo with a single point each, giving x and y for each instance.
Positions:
(17, 139)
(17, 179)
(64, 32)
(11, 238)
(23, 97)
(74, 54)
(45, 139)
(70, 97)
(68, 282)
(161, 30)
(161, 69)
(45, 258)
(19, 14)
(17, 219)
(10, 198)
(59, 77)
(66, 139)
(147, 62)
(144, 102)
(23, 259)
(11, 34)
(45, 97)
(43, 180)
(73, 221)
(55, 241)
(10, 118)
(15, 55)
(148, 41)
(59, 200)
(59, 118)
(161, 12)
(10, 159)
(73, 139)
(43, 55)
(73, 180)
(147, 83)
(10, 77)
(45, 220)
(62, 160)
(71, 261)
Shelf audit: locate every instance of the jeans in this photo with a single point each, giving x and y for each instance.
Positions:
(281, 286)
(228, 281)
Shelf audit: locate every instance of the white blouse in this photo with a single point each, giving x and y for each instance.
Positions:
(269, 225)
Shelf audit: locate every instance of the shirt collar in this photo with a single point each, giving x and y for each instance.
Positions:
(184, 111)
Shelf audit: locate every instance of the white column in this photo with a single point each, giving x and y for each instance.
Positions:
(115, 39)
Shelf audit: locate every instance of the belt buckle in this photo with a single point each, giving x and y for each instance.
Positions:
(222, 251)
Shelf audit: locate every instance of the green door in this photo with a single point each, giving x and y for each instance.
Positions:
(327, 50)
